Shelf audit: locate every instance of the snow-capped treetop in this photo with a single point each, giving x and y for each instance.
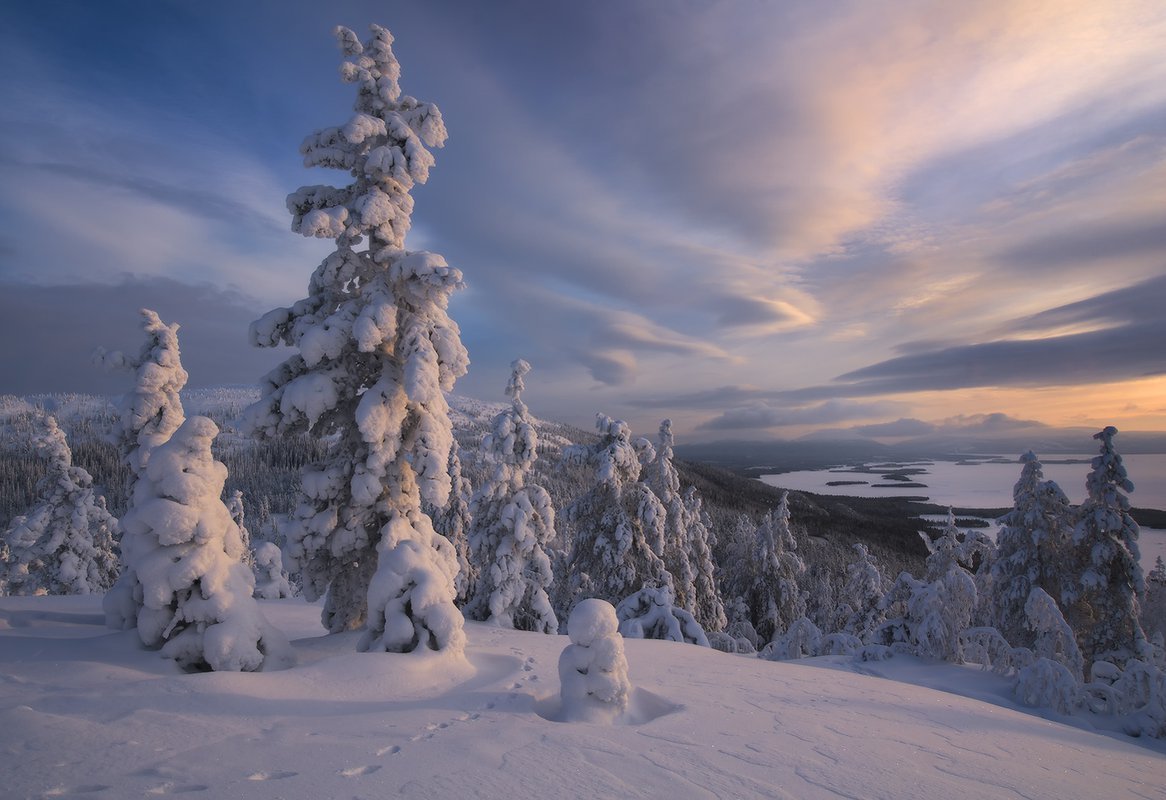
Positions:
(384, 146)
(616, 460)
(1106, 511)
(151, 411)
(516, 385)
(512, 443)
(1108, 477)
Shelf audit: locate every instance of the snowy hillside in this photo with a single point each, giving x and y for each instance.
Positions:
(86, 711)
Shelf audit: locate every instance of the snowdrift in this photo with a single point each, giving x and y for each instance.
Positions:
(87, 711)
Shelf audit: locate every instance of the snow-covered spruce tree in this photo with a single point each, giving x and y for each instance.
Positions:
(197, 603)
(770, 578)
(709, 607)
(512, 522)
(239, 517)
(1154, 606)
(65, 543)
(861, 613)
(662, 478)
(1104, 601)
(1030, 549)
(148, 415)
(941, 606)
(453, 522)
(620, 522)
(376, 350)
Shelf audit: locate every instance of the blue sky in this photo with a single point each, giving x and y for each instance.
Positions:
(759, 219)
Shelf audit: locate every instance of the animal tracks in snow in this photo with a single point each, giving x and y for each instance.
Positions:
(271, 776)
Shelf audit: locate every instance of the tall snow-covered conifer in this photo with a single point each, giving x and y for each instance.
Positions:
(710, 607)
(770, 579)
(64, 544)
(512, 522)
(1104, 602)
(619, 522)
(663, 479)
(376, 350)
(149, 414)
(1030, 550)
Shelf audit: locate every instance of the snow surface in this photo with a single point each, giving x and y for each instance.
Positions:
(86, 711)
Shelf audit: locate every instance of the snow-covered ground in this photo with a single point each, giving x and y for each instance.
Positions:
(86, 711)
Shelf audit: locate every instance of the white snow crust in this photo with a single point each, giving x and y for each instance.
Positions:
(85, 710)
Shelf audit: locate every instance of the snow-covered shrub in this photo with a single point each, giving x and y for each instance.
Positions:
(1053, 638)
(512, 523)
(271, 581)
(988, 648)
(802, 640)
(719, 640)
(376, 350)
(1140, 695)
(1048, 684)
(619, 522)
(840, 644)
(65, 543)
(650, 614)
(593, 672)
(196, 600)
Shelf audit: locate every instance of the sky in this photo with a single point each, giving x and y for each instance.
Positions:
(757, 219)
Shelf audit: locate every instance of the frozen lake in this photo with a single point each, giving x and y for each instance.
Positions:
(982, 482)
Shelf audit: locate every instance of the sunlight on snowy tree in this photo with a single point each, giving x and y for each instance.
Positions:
(65, 543)
(512, 523)
(377, 349)
(152, 410)
(620, 522)
(662, 478)
(196, 599)
(1104, 601)
(453, 522)
(149, 414)
(1030, 550)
